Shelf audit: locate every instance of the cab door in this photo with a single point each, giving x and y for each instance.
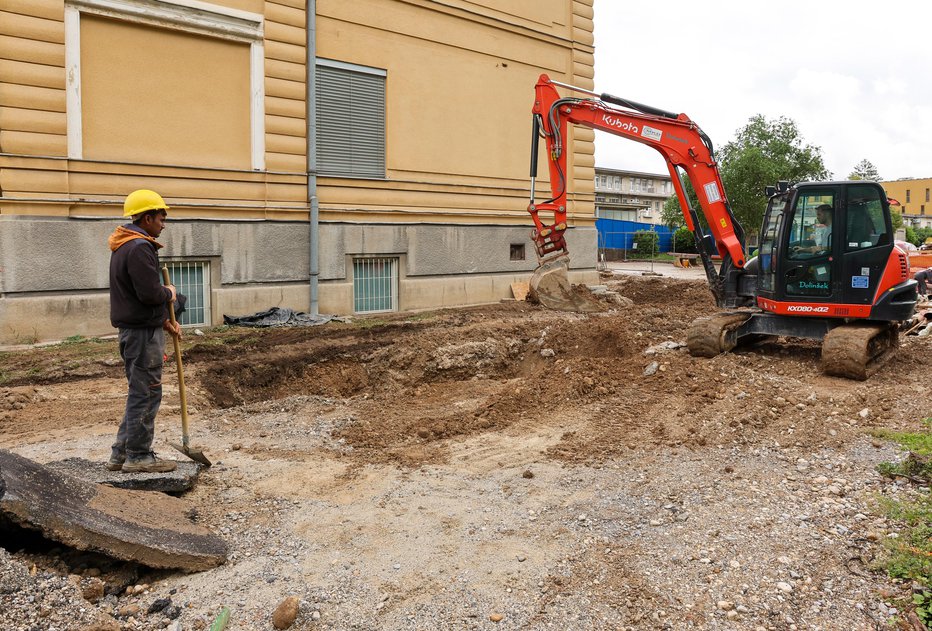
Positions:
(810, 244)
(865, 244)
(768, 251)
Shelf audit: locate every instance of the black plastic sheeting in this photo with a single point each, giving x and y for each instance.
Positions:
(278, 316)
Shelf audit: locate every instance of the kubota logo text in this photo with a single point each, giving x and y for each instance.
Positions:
(618, 123)
(807, 309)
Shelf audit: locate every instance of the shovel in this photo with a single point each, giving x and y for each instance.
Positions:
(194, 454)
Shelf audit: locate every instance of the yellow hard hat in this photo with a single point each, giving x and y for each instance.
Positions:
(141, 201)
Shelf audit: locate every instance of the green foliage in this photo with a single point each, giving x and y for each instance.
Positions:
(909, 556)
(671, 215)
(764, 152)
(922, 234)
(911, 235)
(923, 603)
(369, 323)
(646, 245)
(917, 442)
(26, 339)
(897, 219)
(865, 170)
(424, 315)
(919, 463)
(74, 339)
(684, 241)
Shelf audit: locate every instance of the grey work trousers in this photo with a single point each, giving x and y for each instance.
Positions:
(142, 351)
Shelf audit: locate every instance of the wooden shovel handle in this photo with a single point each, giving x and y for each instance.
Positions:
(184, 400)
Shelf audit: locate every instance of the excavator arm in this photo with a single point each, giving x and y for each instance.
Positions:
(684, 146)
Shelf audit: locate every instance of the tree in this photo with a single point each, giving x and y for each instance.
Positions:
(896, 217)
(763, 153)
(684, 241)
(922, 234)
(671, 215)
(644, 245)
(864, 170)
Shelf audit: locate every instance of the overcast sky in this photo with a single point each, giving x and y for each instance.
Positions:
(855, 76)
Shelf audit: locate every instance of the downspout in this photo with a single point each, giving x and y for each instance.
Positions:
(311, 109)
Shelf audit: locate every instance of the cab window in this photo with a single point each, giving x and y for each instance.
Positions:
(811, 232)
(866, 226)
(768, 244)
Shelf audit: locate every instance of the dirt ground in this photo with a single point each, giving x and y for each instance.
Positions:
(501, 467)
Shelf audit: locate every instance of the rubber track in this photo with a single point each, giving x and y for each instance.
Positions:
(705, 337)
(856, 351)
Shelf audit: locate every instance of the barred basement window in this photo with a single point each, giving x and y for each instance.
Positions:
(192, 278)
(375, 284)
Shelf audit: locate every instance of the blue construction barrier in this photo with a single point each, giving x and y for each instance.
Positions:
(616, 234)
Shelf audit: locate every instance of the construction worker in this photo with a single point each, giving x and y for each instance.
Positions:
(139, 309)
(923, 277)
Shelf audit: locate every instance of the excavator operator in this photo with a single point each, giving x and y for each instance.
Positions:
(822, 234)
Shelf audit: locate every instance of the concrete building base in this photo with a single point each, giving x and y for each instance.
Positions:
(254, 266)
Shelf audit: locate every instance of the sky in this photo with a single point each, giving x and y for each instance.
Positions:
(855, 76)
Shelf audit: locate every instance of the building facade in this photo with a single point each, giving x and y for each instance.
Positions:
(915, 197)
(332, 157)
(631, 195)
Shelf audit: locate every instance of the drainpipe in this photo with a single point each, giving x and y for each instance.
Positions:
(311, 109)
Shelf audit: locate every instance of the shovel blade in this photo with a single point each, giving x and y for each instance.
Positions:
(194, 454)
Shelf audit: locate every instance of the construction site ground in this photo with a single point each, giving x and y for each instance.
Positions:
(493, 467)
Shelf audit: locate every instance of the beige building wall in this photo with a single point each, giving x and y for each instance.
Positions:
(219, 127)
(459, 92)
(915, 197)
(170, 121)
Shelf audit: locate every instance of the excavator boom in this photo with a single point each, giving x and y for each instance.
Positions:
(682, 143)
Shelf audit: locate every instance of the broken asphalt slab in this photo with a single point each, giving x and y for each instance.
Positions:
(148, 528)
(181, 479)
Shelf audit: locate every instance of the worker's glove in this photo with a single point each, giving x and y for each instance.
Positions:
(180, 301)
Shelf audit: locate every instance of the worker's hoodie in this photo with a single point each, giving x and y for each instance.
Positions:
(137, 297)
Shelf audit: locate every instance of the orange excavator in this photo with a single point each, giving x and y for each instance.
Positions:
(827, 268)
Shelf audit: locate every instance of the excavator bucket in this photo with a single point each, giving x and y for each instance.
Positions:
(550, 286)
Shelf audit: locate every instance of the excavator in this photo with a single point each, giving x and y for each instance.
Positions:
(826, 266)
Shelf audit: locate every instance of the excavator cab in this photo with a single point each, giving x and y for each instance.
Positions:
(826, 248)
(827, 270)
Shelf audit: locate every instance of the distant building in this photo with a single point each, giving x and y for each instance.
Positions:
(914, 196)
(630, 195)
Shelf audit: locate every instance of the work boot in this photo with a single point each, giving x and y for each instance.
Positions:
(116, 462)
(148, 464)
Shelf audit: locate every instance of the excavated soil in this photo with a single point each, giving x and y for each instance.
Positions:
(560, 470)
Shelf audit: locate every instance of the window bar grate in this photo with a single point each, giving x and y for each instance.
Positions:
(375, 284)
(192, 279)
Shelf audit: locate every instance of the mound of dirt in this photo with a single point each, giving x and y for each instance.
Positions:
(574, 470)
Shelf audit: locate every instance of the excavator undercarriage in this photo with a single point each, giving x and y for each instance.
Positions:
(852, 350)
